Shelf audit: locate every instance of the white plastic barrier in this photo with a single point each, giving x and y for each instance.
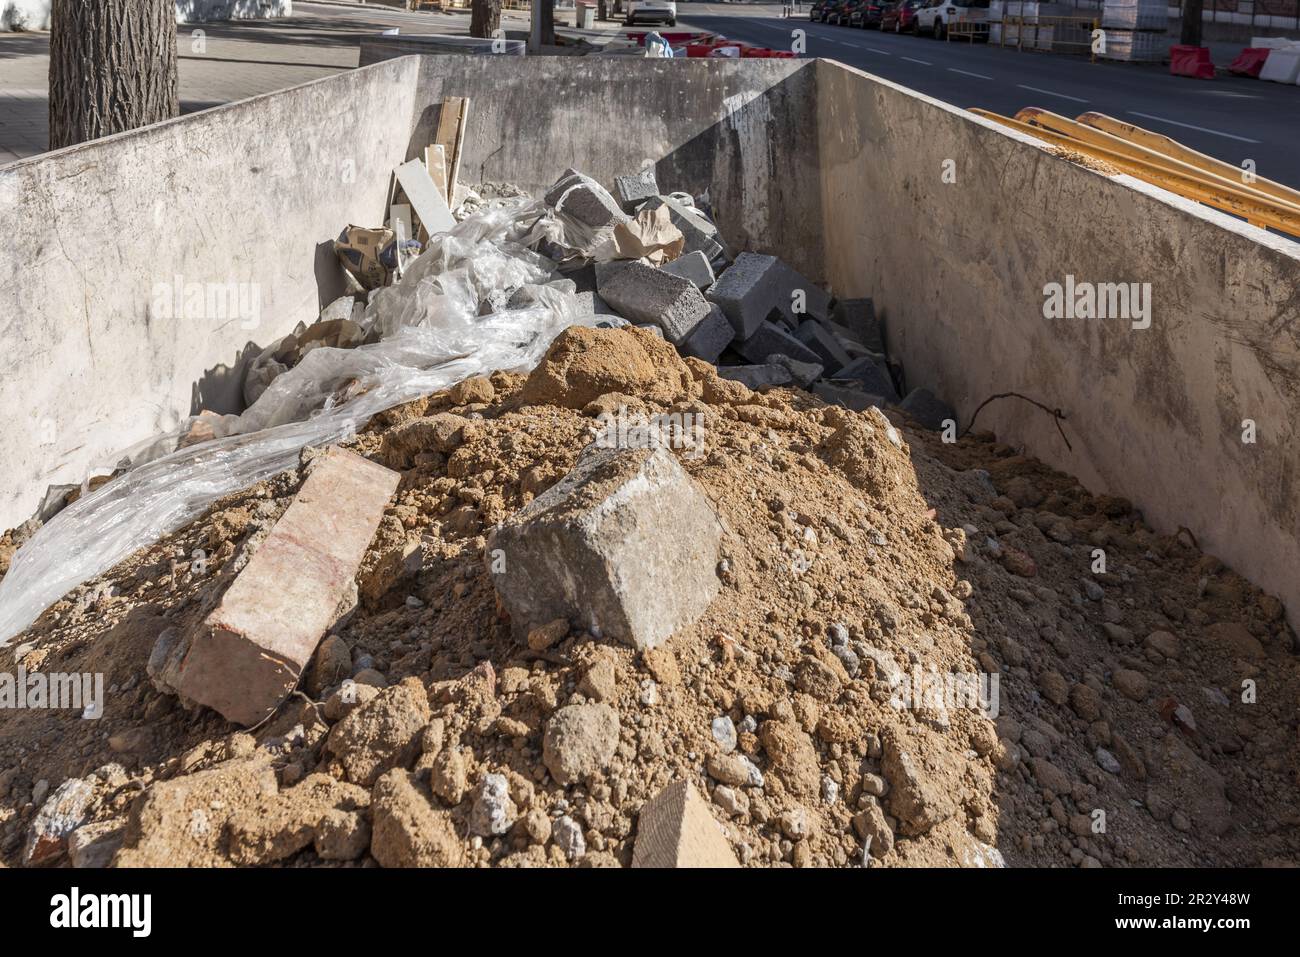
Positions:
(1282, 66)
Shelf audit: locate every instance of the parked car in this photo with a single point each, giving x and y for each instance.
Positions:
(819, 10)
(867, 15)
(936, 15)
(651, 11)
(900, 17)
(841, 12)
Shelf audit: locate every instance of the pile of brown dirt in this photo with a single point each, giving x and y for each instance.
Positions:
(1144, 715)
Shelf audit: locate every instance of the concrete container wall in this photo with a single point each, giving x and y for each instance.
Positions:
(745, 131)
(152, 264)
(960, 267)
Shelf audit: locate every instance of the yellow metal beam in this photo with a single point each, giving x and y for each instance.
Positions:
(1097, 137)
(1175, 149)
(1235, 201)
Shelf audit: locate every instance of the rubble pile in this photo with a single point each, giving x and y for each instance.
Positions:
(636, 608)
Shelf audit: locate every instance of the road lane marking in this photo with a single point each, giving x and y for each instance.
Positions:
(1064, 96)
(953, 69)
(1189, 126)
(881, 52)
(915, 60)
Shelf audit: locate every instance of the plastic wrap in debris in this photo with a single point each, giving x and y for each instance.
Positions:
(477, 300)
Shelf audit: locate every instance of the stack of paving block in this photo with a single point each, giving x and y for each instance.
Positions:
(755, 317)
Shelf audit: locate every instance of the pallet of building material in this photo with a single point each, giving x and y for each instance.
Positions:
(1135, 15)
(1135, 46)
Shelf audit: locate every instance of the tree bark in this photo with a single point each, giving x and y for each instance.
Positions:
(548, 21)
(484, 18)
(1191, 35)
(112, 67)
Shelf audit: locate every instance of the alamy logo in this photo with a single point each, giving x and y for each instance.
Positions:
(219, 301)
(668, 430)
(954, 691)
(55, 690)
(1130, 301)
(74, 909)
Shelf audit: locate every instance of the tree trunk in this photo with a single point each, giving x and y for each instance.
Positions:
(548, 22)
(1192, 22)
(484, 18)
(112, 67)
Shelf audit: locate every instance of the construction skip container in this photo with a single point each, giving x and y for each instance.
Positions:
(955, 226)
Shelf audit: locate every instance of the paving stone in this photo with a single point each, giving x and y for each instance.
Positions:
(700, 234)
(821, 340)
(859, 317)
(767, 375)
(246, 656)
(707, 340)
(769, 339)
(748, 292)
(693, 266)
(926, 408)
(846, 396)
(642, 294)
(631, 191)
(873, 376)
(607, 547)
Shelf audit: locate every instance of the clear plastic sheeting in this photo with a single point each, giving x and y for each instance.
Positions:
(450, 317)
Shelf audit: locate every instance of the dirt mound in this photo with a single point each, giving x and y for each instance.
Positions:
(584, 364)
(914, 659)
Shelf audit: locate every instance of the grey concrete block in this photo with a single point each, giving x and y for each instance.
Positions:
(651, 327)
(822, 341)
(815, 302)
(625, 545)
(693, 266)
(859, 317)
(590, 304)
(928, 409)
(699, 233)
(632, 191)
(584, 200)
(767, 375)
(848, 397)
(746, 292)
(803, 373)
(872, 374)
(770, 338)
(707, 340)
(604, 272)
(642, 294)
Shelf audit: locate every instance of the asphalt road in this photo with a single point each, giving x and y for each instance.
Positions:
(1231, 118)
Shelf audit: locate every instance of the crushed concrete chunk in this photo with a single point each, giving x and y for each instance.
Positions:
(606, 544)
(246, 656)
